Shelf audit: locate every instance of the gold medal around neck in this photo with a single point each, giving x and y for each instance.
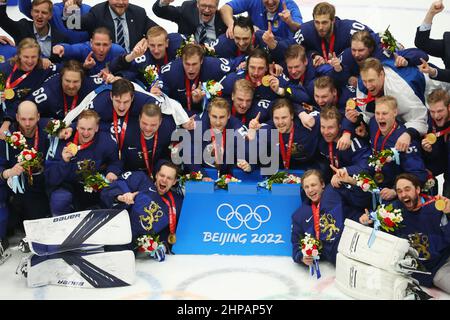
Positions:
(351, 104)
(379, 177)
(431, 138)
(440, 204)
(73, 148)
(265, 81)
(172, 238)
(9, 94)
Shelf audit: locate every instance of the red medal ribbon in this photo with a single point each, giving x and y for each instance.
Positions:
(286, 156)
(324, 49)
(73, 105)
(385, 139)
(172, 212)
(428, 199)
(145, 152)
(444, 133)
(363, 101)
(122, 132)
(333, 161)
(84, 145)
(316, 213)
(9, 85)
(187, 83)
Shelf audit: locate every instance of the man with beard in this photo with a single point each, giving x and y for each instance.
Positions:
(284, 17)
(258, 66)
(426, 227)
(95, 54)
(90, 151)
(64, 91)
(156, 210)
(352, 160)
(365, 45)
(325, 34)
(436, 143)
(31, 202)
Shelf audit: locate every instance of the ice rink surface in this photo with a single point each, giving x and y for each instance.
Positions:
(219, 277)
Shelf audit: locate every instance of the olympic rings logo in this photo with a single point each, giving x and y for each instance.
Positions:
(243, 215)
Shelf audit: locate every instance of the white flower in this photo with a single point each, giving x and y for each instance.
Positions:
(88, 189)
(315, 253)
(365, 187)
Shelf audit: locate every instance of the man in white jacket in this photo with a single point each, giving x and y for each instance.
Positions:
(407, 85)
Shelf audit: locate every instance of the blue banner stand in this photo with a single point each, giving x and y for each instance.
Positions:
(243, 220)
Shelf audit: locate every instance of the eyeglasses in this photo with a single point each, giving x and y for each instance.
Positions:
(205, 6)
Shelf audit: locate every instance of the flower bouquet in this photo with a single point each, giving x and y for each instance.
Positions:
(31, 162)
(16, 140)
(430, 183)
(388, 42)
(54, 126)
(386, 218)
(150, 74)
(379, 159)
(193, 176)
(92, 180)
(189, 40)
(311, 247)
(224, 180)
(280, 177)
(213, 88)
(151, 246)
(365, 182)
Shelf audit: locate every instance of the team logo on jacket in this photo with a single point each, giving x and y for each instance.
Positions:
(154, 213)
(420, 242)
(328, 226)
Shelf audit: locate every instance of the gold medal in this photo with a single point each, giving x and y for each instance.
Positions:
(172, 238)
(440, 204)
(379, 177)
(265, 81)
(431, 138)
(9, 94)
(351, 104)
(73, 148)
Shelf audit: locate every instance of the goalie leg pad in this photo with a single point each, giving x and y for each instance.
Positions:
(387, 251)
(79, 230)
(362, 281)
(80, 269)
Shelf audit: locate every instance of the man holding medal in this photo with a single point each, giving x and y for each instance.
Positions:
(90, 152)
(426, 226)
(436, 142)
(157, 210)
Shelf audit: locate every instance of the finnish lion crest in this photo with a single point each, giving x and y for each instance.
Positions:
(328, 225)
(154, 213)
(420, 242)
